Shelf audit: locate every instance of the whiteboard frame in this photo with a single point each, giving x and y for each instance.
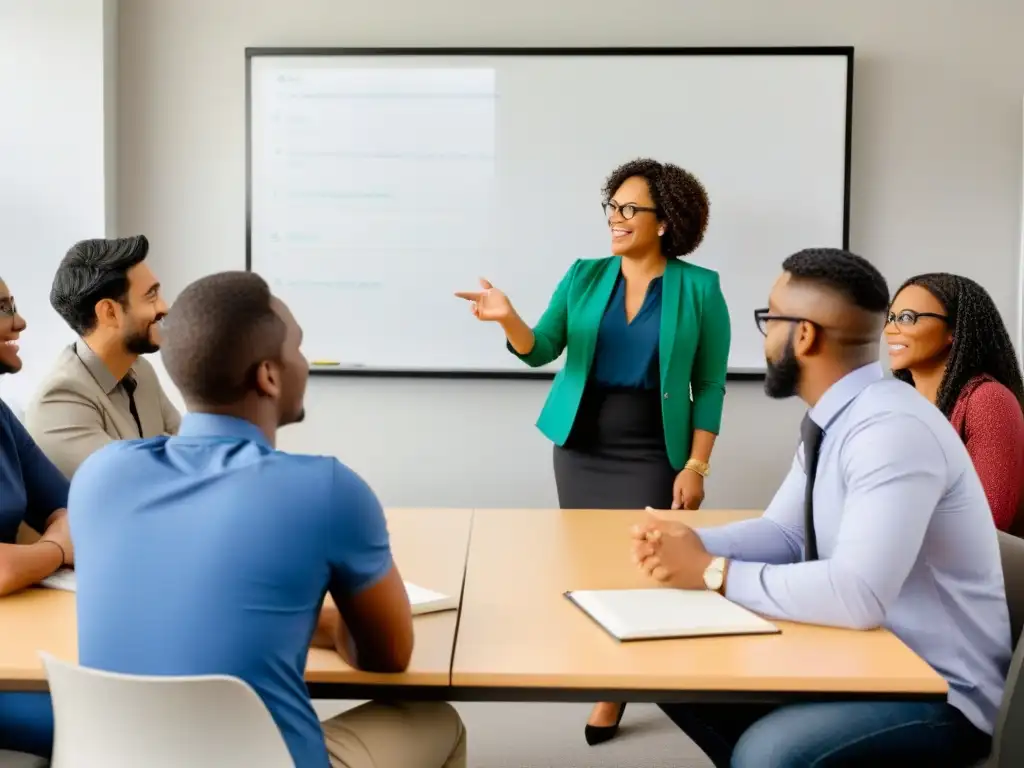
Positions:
(255, 52)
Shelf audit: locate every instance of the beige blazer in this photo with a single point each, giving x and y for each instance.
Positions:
(81, 407)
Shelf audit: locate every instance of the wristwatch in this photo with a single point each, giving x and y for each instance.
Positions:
(702, 468)
(714, 574)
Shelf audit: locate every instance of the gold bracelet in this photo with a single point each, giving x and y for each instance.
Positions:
(702, 468)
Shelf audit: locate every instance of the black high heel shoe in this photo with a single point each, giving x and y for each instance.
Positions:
(599, 734)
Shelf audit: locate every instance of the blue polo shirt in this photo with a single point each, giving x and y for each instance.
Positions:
(31, 487)
(210, 553)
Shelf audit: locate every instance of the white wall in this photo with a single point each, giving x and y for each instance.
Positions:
(57, 156)
(936, 174)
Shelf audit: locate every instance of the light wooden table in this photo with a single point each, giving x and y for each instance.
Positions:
(521, 639)
(35, 620)
(429, 547)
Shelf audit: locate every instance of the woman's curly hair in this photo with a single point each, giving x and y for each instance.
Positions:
(681, 202)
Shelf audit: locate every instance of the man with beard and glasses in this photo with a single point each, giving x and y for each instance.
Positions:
(210, 552)
(101, 389)
(881, 522)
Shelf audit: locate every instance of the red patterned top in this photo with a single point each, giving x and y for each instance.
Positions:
(989, 420)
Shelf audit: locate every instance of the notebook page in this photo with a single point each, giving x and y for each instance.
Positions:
(62, 579)
(425, 600)
(649, 613)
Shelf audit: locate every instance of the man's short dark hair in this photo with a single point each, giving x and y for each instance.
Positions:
(93, 270)
(217, 333)
(848, 274)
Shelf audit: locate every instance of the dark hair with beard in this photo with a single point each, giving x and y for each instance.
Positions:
(217, 333)
(93, 270)
(853, 278)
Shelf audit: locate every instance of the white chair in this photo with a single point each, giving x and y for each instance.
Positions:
(114, 721)
(21, 760)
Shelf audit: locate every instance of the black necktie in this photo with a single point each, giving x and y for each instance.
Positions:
(812, 435)
(129, 384)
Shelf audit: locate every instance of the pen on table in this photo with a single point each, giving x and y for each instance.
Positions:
(324, 362)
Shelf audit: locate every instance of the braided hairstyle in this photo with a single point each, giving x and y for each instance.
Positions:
(680, 198)
(981, 343)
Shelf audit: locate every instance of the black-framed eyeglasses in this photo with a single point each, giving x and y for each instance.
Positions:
(908, 317)
(764, 316)
(7, 307)
(628, 211)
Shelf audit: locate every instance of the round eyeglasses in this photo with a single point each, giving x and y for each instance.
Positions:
(628, 211)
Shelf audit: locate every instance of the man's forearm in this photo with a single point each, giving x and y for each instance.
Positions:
(332, 633)
(816, 592)
(760, 540)
(519, 334)
(22, 565)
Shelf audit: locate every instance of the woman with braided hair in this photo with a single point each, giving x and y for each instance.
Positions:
(946, 338)
(641, 329)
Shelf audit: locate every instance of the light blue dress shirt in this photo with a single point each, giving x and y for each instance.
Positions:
(905, 539)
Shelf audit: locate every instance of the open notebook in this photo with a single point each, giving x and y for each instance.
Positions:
(650, 614)
(422, 600)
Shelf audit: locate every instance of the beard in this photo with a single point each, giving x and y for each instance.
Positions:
(783, 377)
(140, 343)
(5, 368)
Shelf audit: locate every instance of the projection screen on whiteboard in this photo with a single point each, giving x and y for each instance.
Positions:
(379, 182)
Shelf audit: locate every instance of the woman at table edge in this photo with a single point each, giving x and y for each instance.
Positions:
(32, 491)
(642, 330)
(947, 339)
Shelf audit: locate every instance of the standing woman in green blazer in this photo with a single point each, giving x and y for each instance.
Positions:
(634, 412)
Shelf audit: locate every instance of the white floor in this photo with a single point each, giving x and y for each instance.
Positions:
(551, 735)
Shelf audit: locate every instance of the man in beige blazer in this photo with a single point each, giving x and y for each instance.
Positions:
(101, 389)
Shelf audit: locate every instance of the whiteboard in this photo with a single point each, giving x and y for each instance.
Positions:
(382, 181)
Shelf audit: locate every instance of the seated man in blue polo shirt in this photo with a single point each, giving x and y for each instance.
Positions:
(210, 552)
(34, 492)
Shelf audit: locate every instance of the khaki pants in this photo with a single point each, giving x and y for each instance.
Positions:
(410, 735)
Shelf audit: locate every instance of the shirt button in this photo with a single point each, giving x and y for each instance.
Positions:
(666, 395)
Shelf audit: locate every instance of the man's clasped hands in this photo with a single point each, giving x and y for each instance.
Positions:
(670, 552)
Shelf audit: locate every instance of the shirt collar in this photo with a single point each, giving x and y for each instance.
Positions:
(213, 425)
(843, 392)
(96, 367)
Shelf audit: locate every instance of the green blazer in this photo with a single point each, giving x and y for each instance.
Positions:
(693, 348)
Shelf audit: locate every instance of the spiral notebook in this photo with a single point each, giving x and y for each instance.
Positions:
(652, 614)
(422, 600)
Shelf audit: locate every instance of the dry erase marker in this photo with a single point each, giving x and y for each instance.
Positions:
(324, 362)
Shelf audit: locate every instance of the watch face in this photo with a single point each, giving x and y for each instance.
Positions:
(713, 579)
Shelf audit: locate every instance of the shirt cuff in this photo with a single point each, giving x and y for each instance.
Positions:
(743, 585)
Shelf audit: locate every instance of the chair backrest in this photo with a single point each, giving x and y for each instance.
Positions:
(1008, 739)
(1011, 555)
(108, 719)
(21, 760)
